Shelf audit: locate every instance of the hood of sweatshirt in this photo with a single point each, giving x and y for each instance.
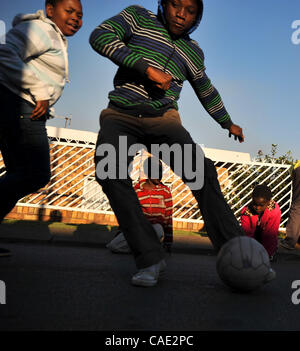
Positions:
(39, 15)
(198, 20)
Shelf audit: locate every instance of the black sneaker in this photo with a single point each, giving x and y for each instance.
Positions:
(285, 244)
(4, 252)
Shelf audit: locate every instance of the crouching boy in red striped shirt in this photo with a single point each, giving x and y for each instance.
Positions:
(157, 205)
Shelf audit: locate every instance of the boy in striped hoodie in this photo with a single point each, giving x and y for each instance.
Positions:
(155, 55)
(33, 72)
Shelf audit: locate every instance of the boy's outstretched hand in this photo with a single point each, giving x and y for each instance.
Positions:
(237, 132)
(41, 108)
(160, 79)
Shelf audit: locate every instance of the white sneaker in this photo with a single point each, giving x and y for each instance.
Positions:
(119, 244)
(148, 276)
(271, 276)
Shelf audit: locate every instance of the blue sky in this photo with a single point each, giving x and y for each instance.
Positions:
(250, 59)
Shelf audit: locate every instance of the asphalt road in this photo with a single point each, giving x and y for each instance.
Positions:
(64, 287)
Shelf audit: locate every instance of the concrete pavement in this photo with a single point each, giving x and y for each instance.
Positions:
(56, 284)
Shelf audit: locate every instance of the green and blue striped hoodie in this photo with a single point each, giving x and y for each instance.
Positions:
(34, 60)
(136, 39)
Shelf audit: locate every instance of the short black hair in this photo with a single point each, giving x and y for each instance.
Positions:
(262, 191)
(199, 3)
(52, 2)
(153, 168)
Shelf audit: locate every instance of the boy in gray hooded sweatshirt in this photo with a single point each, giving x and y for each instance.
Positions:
(33, 72)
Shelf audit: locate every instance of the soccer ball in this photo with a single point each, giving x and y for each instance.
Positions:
(243, 264)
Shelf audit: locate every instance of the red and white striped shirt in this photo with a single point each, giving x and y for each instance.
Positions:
(157, 206)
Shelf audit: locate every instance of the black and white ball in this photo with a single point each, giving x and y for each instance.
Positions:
(243, 264)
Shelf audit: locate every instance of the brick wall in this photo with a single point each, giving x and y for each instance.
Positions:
(70, 165)
(78, 217)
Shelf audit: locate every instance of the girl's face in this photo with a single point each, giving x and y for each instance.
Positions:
(260, 204)
(67, 15)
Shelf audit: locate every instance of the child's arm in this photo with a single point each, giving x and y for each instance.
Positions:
(109, 40)
(273, 223)
(211, 99)
(24, 42)
(247, 225)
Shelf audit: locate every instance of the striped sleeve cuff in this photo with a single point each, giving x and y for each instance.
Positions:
(141, 66)
(227, 124)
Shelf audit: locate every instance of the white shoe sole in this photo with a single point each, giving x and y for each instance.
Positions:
(144, 283)
(149, 283)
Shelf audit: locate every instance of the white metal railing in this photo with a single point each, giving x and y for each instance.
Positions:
(73, 186)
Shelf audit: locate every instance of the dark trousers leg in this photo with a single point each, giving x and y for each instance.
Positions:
(138, 231)
(220, 222)
(293, 224)
(25, 151)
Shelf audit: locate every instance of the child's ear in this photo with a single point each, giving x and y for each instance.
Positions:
(49, 10)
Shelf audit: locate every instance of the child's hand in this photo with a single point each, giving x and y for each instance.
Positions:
(161, 79)
(237, 131)
(41, 108)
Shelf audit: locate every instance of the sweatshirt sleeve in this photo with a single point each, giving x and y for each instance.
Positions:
(24, 42)
(272, 225)
(109, 40)
(207, 94)
(247, 224)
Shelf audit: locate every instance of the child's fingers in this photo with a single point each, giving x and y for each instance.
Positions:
(241, 138)
(237, 137)
(41, 108)
(37, 113)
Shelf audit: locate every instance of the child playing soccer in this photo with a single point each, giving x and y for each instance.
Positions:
(33, 72)
(155, 55)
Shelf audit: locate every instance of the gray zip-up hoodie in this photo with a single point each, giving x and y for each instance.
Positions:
(34, 60)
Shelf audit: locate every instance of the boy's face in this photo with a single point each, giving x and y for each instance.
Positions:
(180, 15)
(260, 204)
(67, 15)
(155, 181)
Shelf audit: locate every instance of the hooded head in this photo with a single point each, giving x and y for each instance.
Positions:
(66, 15)
(162, 14)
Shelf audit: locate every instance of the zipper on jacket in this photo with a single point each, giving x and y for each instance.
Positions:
(170, 56)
